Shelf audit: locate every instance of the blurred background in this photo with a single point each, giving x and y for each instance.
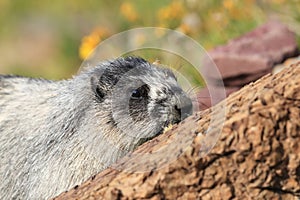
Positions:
(50, 39)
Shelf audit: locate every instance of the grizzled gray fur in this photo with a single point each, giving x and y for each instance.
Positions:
(56, 134)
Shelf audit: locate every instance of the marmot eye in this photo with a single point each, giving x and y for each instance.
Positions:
(136, 94)
(141, 92)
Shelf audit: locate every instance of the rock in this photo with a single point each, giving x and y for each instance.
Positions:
(277, 68)
(205, 98)
(254, 52)
(242, 79)
(251, 56)
(232, 65)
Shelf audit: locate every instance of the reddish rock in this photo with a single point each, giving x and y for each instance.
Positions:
(247, 58)
(254, 52)
(232, 65)
(243, 79)
(209, 97)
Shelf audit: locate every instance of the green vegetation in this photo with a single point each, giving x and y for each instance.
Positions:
(50, 38)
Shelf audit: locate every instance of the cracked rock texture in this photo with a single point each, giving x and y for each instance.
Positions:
(257, 154)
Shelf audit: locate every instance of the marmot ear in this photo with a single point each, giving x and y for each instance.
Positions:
(97, 89)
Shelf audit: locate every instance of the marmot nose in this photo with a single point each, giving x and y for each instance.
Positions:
(184, 108)
(178, 109)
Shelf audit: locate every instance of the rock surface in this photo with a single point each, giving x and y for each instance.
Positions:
(257, 155)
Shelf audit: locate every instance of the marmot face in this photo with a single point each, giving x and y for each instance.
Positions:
(143, 98)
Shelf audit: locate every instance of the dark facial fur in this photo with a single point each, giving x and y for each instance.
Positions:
(150, 96)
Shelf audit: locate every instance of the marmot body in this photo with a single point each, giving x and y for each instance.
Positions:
(56, 134)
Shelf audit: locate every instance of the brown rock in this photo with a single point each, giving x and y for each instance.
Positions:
(256, 155)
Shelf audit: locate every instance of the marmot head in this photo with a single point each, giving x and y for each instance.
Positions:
(141, 98)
